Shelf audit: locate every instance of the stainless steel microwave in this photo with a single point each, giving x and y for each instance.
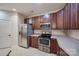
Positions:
(45, 26)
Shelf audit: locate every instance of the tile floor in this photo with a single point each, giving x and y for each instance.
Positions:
(19, 51)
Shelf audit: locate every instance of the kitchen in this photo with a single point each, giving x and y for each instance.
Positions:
(54, 32)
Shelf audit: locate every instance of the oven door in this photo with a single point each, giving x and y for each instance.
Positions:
(44, 41)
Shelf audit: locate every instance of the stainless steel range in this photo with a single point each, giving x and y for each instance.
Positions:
(44, 42)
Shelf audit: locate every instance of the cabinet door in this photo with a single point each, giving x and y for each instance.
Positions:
(73, 15)
(54, 48)
(53, 20)
(34, 42)
(67, 16)
(45, 18)
(60, 19)
(36, 22)
(77, 15)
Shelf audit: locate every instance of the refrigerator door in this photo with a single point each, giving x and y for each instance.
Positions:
(23, 36)
(29, 29)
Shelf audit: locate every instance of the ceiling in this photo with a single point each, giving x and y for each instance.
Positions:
(29, 9)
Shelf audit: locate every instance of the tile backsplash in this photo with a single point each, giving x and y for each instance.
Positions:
(70, 33)
(53, 32)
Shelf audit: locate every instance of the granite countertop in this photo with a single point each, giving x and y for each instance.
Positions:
(35, 35)
(68, 44)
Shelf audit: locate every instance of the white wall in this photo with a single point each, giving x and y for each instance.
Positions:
(15, 20)
(21, 20)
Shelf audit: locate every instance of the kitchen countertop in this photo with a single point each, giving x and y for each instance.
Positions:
(68, 44)
(37, 35)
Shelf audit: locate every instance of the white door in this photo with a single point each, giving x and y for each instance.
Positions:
(5, 34)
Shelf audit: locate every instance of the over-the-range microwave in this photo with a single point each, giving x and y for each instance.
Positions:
(45, 26)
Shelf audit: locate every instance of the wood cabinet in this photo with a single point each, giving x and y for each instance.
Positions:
(60, 19)
(34, 41)
(26, 20)
(39, 20)
(36, 22)
(53, 20)
(62, 52)
(67, 17)
(71, 16)
(54, 48)
(45, 18)
(77, 16)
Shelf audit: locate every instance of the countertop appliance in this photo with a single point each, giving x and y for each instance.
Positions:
(45, 26)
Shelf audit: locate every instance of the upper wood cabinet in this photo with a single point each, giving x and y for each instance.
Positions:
(73, 16)
(77, 16)
(53, 20)
(45, 18)
(36, 22)
(40, 19)
(60, 19)
(67, 17)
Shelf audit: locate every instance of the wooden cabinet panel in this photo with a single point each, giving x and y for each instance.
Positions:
(54, 46)
(36, 22)
(67, 17)
(73, 15)
(45, 18)
(60, 19)
(77, 15)
(34, 42)
(62, 52)
(53, 20)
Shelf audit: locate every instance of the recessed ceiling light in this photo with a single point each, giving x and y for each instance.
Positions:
(13, 9)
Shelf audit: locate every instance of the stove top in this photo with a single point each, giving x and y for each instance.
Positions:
(45, 36)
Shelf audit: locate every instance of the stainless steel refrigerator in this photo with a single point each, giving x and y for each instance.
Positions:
(23, 36)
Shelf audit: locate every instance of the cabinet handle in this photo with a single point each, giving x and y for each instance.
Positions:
(9, 35)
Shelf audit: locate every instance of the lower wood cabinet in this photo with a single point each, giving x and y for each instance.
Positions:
(34, 41)
(54, 46)
(62, 52)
